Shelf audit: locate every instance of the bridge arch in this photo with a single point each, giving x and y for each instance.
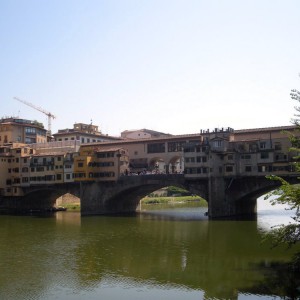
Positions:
(125, 195)
(41, 198)
(242, 194)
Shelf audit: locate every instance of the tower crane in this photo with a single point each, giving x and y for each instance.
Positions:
(48, 114)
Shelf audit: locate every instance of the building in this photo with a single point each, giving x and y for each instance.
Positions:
(143, 134)
(22, 165)
(15, 130)
(83, 133)
(15, 168)
(47, 168)
(240, 153)
(96, 164)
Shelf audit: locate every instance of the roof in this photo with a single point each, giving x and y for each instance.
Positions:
(266, 129)
(22, 122)
(152, 132)
(69, 132)
(48, 154)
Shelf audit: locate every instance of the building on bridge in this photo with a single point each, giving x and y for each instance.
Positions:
(97, 164)
(223, 151)
(243, 153)
(14, 168)
(23, 166)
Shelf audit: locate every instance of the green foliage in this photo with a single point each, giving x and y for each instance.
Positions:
(288, 194)
(174, 190)
(160, 200)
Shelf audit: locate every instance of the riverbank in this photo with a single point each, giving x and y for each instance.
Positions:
(180, 199)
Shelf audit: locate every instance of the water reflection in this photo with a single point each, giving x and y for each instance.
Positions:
(171, 254)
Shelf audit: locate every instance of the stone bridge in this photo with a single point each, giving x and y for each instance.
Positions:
(227, 197)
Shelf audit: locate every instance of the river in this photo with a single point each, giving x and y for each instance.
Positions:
(163, 253)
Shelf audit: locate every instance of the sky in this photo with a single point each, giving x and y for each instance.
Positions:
(174, 66)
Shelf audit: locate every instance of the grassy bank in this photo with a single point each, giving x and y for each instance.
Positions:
(72, 206)
(181, 199)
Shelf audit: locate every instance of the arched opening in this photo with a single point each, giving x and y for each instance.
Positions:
(173, 202)
(157, 165)
(269, 215)
(176, 165)
(68, 201)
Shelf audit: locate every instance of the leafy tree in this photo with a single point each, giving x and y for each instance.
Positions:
(287, 193)
(174, 190)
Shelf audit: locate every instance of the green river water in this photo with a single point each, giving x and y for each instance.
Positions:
(162, 253)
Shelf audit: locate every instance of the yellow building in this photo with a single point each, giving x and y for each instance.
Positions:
(14, 166)
(22, 166)
(96, 164)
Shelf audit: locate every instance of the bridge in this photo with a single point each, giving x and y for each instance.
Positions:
(227, 197)
(227, 168)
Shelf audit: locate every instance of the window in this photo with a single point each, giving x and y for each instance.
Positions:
(262, 145)
(264, 168)
(229, 168)
(175, 146)
(248, 168)
(156, 148)
(30, 130)
(189, 159)
(80, 165)
(264, 155)
(217, 144)
(58, 176)
(277, 146)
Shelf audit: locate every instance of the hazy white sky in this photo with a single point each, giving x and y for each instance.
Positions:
(175, 66)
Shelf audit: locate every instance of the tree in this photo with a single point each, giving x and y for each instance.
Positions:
(287, 193)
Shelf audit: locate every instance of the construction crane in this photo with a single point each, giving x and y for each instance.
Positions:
(48, 114)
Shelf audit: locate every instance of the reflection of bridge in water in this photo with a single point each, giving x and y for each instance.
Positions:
(219, 259)
(227, 197)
